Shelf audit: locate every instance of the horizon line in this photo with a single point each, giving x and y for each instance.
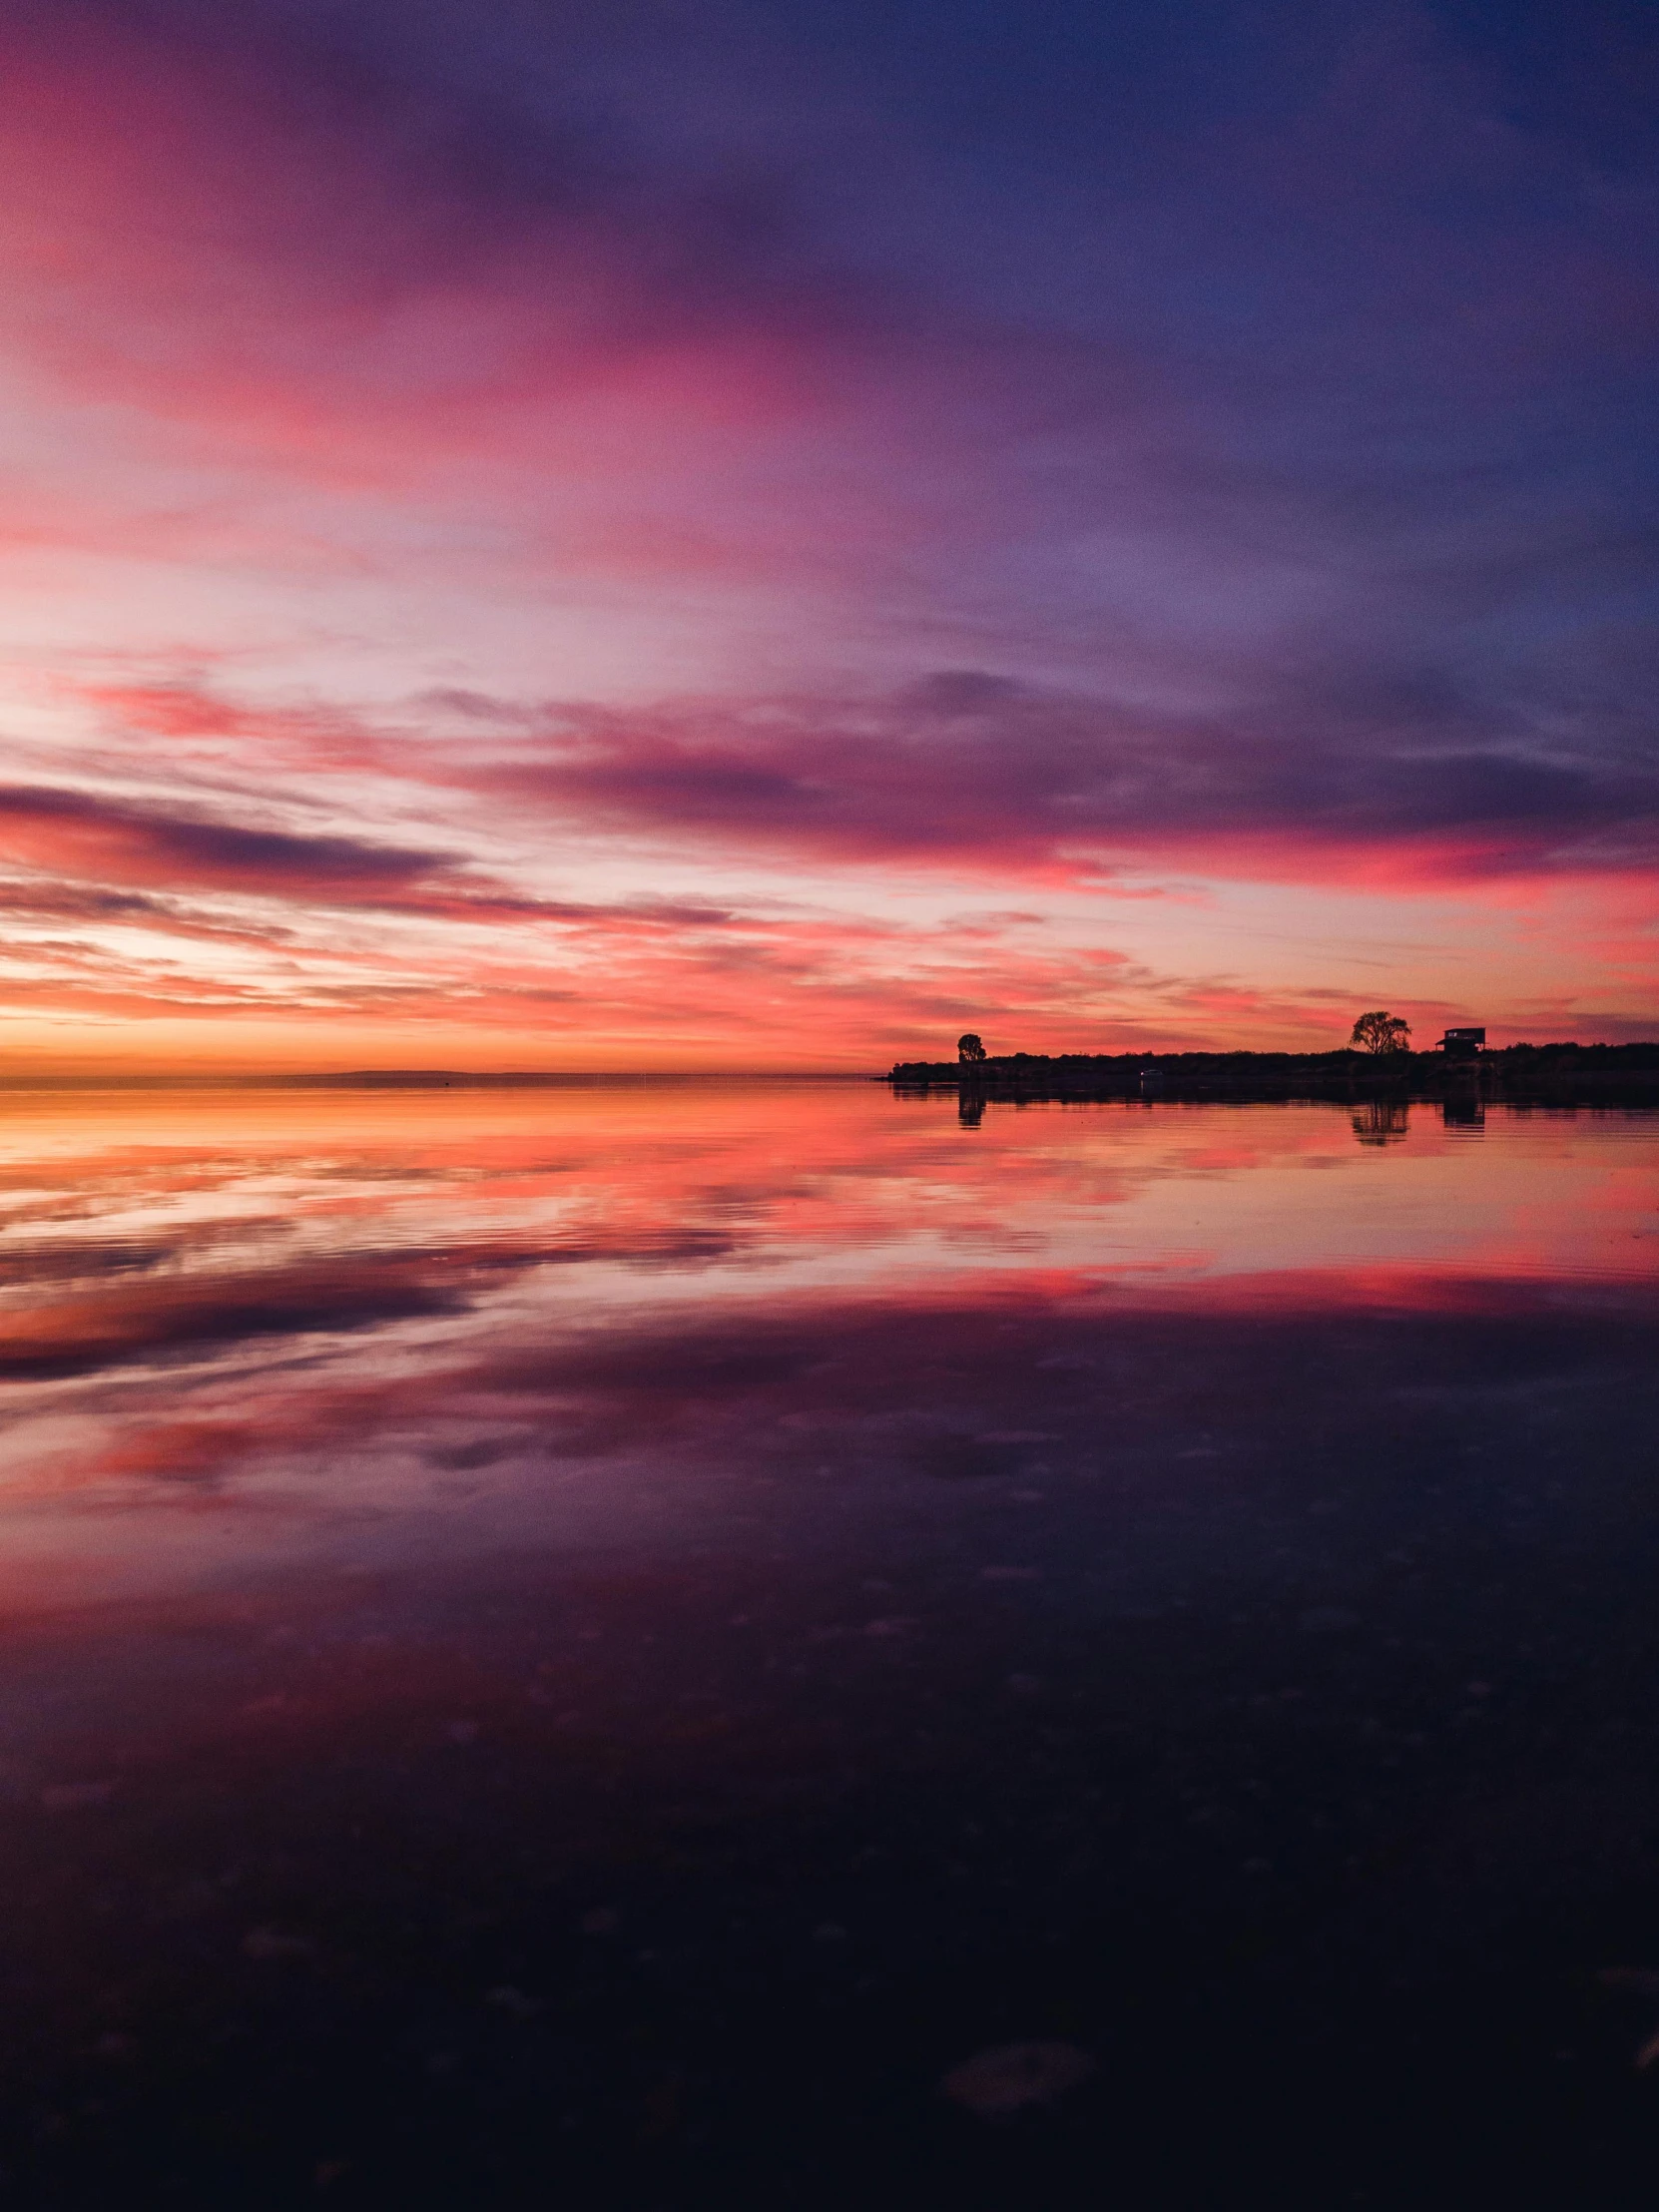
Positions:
(430, 1078)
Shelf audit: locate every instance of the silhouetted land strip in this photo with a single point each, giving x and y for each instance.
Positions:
(1546, 1074)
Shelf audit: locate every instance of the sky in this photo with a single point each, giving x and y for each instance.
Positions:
(764, 536)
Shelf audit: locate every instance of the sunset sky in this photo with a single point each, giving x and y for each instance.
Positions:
(764, 535)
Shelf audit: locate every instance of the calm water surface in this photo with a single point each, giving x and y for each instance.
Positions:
(608, 1645)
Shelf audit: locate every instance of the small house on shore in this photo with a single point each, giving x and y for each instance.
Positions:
(1463, 1044)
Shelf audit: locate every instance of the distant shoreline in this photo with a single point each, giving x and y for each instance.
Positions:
(1541, 1074)
(427, 1079)
(1570, 1073)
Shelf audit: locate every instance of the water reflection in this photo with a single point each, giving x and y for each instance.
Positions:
(616, 1639)
(1383, 1121)
(307, 1309)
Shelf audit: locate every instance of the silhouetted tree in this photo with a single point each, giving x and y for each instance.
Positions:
(1380, 1032)
(970, 1047)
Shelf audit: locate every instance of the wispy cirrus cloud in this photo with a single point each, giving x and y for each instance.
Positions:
(964, 767)
(968, 767)
(83, 833)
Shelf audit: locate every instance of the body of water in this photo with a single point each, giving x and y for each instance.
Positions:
(767, 1644)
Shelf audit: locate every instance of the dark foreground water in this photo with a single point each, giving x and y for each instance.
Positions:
(748, 1647)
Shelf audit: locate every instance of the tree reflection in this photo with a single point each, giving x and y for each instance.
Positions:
(1381, 1120)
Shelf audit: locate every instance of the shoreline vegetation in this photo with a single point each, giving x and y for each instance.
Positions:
(1526, 1074)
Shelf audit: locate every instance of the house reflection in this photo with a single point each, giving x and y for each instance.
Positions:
(1381, 1120)
(1463, 1113)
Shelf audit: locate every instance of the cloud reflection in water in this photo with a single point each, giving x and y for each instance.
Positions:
(713, 1605)
(346, 1310)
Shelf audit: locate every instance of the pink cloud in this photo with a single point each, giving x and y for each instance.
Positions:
(352, 353)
